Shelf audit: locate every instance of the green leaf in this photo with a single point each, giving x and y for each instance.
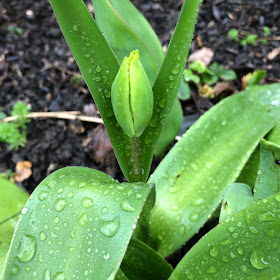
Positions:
(249, 172)
(171, 129)
(199, 67)
(253, 78)
(125, 29)
(251, 39)
(168, 80)
(142, 262)
(267, 182)
(192, 178)
(244, 247)
(98, 66)
(209, 79)
(190, 77)
(78, 221)
(184, 92)
(222, 72)
(233, 34)
(237, 197)
(12, 200)
(4, 247)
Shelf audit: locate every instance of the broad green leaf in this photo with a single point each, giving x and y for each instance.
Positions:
(199, 67)
(190, 77)
(192, 178)
(248, 174)
(4, 247)
(209, 79)
(78, 222)
(120, 276)
(98, 66)
(245, 246)
(184, 92)
(170, 129)
(237, 197)
(168, 80)
(222, 72)
(267, 182)
(125, 29)
(12, 200)
(142, 262)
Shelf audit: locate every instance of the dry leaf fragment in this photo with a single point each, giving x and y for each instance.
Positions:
(23, 170)
(204, 55)
(275, 52)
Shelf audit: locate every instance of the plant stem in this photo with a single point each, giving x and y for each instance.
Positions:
(136, 170)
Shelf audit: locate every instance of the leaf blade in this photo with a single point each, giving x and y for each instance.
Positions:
(206, 164)
(78, 214)
(243, 247)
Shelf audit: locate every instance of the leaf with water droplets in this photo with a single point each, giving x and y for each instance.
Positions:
(206, 161)
(268, 175)
(72, 234)
(237, 197)
(247, 256)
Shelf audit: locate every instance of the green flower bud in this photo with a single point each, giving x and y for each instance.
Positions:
(132, 96)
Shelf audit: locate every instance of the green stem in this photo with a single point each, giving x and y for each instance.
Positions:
(136, 170)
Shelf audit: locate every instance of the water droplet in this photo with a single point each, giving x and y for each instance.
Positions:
(24, 210)
(60, 204)
(43, 195)
(266, 216)
(59, 276)
(182, 229)
(43, 236)
(105, 210)
(109, 228)
(70, 194)
(214, 251)
(257, 260)
(125, 205)
(26, 248)
(138, 196)
(14, 270)
(244, 269)
(175, 70)
(240, 249)
(75, 27)
(47, 274)
(194, 217)
(107, 93)
(253, 229)
(27, 269)
(277, 197)
(56, 219)
(106, 256)
(87, 202)
(98, 69)
(173, 207)
(83, 220)
(212, 269)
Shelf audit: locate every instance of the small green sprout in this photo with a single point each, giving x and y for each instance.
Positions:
(233, 34)
(15, 29)
(14, 133)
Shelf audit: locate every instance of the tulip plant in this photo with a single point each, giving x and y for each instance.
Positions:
(80, 223)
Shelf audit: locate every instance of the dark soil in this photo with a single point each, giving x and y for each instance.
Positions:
(37, 68)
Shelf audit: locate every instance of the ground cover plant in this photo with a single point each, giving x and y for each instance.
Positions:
(78, 223)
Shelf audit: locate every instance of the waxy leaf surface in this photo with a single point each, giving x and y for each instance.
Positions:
(268, 176)
(246, 246)
(12, 200)
(76, 225)
(237, 197)
(142, 262)
(192, 178)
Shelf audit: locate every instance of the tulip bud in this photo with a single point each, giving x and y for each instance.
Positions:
(132, 96)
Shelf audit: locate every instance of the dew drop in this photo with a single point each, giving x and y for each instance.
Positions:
(43, 195)
(47, 274)
(87, 202)
(14, 270)
(59, 276)
(106, 256)
(257, 260)
(60, 204)
(194, 217)
(83, 220)
(75, 27)
(109, 228)
(182, 229)
(212, 269)
(105, 210)
(43, 236)
(214, 251)
(26, 248)
(125, 205)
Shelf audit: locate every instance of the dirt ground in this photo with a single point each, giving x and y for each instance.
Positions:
(37, 68)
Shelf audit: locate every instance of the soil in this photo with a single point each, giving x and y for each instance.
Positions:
(37, 68)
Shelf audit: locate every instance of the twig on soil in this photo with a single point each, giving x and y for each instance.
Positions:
(70, 115)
